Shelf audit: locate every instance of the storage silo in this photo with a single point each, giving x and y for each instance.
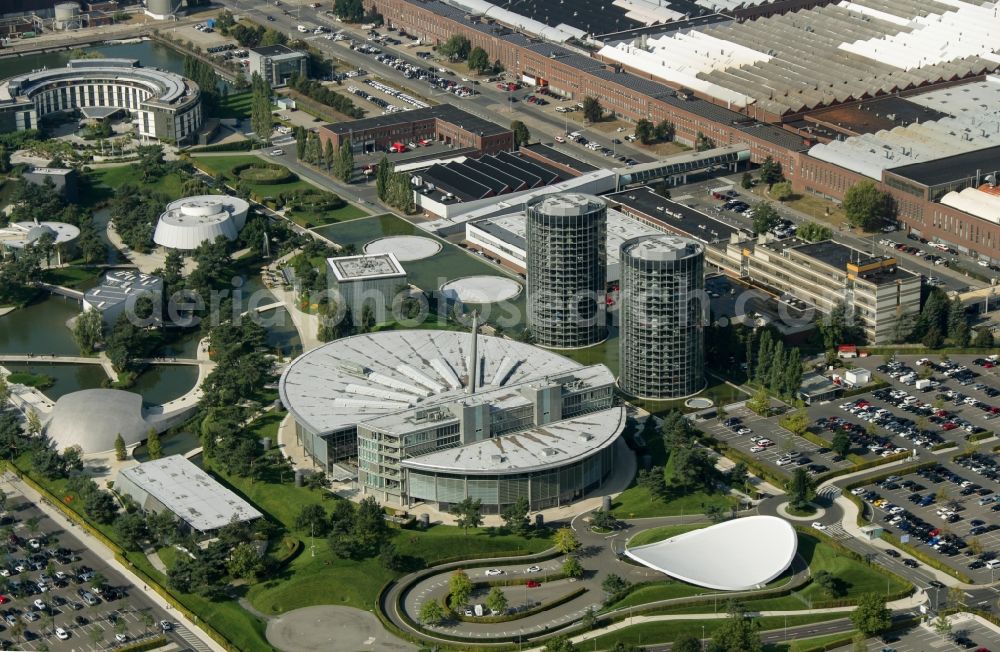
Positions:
(67, 16)
(162, 9)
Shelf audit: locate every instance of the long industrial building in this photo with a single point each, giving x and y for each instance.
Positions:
(166, 106)
(835, 92)
(438, 416)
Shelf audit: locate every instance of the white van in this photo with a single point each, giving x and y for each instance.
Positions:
(993, 563)
(303, 29)
(478, 609)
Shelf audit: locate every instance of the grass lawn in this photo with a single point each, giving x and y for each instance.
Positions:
(235, 106)
(308, 219)
(223, 164)
(38, 381)
(635, 501)
(668, 630)
(858, 578)
(810, 643)
(78, 278)
(655, 534)
(106, 180)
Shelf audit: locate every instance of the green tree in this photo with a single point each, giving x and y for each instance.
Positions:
(431, 612)
(344, 165)
(771, 172)
(300, 142)
(686, 643)
(644, 131)
(515, 516)
(460, 588)
(245, 562)
(521, 133)
(738, 633)
(664, 131)
(132, 530)
(814, 232)
(592, 109)
(759, 403)
(693, 468)
(456, 48)
(841, 444)
(479, 60)
(652, 481)
(589, 619)
(497, 601)
(800, 489)
(88, 330)
(603, 520)
(260, 108)
(871, 617)
(983, 338)
(831, 584)
(615, 587)
(765, 217)
(746, 181)
(703, 142)
(942, 626)
(561, 643)
(868, 207)
(571, 567)
(859, 643)
(796, 422)
(565, 541)
(468, 513)
(153, 445)
(782, 190)
(312, 518)
(383, 173)
(330, 158)
(120, 451)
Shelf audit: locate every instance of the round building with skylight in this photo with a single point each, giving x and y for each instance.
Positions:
(437, 416)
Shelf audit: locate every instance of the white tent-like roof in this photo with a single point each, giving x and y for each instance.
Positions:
(737, 555)
(975, 202)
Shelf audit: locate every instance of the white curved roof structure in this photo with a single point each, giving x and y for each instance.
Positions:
(21, 234)
(737, 555)
(92, 418)
(189, 222)
(975, 202)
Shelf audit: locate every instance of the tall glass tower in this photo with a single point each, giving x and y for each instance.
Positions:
(566, 242)
(661, 341)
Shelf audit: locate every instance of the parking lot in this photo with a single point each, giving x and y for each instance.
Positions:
(924, 639)
(949, 511)
(78, 594)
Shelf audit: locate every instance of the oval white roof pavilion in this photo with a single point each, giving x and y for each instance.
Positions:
(737, 555)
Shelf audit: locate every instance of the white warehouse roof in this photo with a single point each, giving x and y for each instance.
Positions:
(975, 202)
(189, 222)
(737, 555)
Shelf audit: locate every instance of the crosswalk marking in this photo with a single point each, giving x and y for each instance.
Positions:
(837, 531)
(192, 640)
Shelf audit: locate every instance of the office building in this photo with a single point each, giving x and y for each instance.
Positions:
(661, 341)
(277, 63)
(566, 240)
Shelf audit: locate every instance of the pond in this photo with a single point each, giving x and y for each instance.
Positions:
(40, 328)
(174, 444)
(162, 383)
(429, 274)
(68, 377)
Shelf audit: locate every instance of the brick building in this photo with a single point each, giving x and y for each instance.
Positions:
(443, 123)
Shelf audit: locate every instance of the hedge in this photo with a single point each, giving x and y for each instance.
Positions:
(281, 173)
(506, 618)
(753, 465)
(232, 146)
(979, 436)
(870, 387)
(943, 445)
(816, 439)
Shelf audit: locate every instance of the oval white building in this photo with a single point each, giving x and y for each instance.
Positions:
(189, 222)
(737, 555)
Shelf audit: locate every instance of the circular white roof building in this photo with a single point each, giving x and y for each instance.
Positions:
(18, 235)
(93, 418)
(737, 555)
(441, 415)
(189, 222)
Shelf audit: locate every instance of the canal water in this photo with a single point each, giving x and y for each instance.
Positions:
(68, 377)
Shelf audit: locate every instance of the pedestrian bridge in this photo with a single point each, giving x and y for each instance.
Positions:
(681, 165)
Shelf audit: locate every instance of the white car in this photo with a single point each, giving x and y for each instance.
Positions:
(61, 634)
(40, 604)
(35, 544)
(857, 491)
(757, 449)
(121, 638)
(783, 461)
(533, 569)
(277, 152)
(818, 526)
(166, 625)
(493, 571)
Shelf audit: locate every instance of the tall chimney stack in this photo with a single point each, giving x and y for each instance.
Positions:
(474, 355)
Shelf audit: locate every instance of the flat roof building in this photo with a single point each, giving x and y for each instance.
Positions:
(18, 235)
(444, 123)
(119, 290)
(176, 485)
(277, 63)
(371, 280)
(439, 416)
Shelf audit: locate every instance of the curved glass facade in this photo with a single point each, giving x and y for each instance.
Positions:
(566, 242)
(543, 489)
(661, 341)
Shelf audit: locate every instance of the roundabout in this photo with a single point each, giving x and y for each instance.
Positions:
(481, 289)
(405, 247)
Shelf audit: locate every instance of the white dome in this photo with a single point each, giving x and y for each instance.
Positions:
(737, 555)
(93, 418)
(189, 222)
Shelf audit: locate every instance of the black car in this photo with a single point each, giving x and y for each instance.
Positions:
(892, 553)
(270, 19)
(935, 584)
(976, 565)
(81, 620)
(964, 641)
(910, 563)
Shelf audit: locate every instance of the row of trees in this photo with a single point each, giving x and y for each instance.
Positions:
(393, 187)
(204, 75)
(325, 95)
(774, 368)
(647, 133)
(940, 321)
(261, 120)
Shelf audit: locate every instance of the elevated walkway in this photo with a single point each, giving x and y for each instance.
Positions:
(680, 165)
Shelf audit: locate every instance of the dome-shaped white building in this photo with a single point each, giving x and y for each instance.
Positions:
(191, 221)
(93, 418)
